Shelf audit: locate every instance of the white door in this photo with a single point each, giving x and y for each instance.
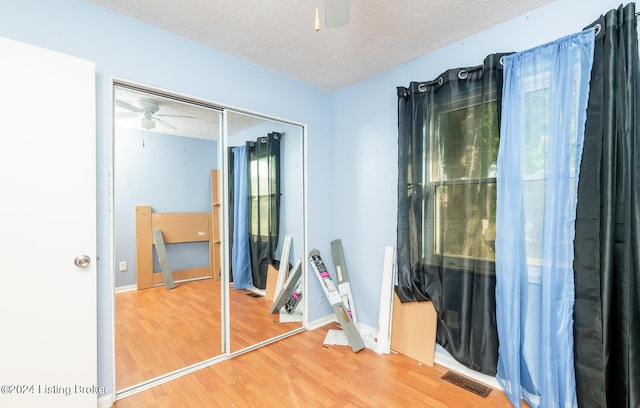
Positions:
(48, 355)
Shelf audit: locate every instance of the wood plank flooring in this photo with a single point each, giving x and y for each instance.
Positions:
(299, 371)
(158, 331)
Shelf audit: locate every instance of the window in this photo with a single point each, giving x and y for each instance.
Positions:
(263, 157)
(537, 167)
(461, 190)
(259, 195)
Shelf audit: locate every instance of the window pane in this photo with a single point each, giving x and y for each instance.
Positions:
(253, 216)
(264, 215)
(535, 132)
(466, 143)
(253, 174)
(263, 176)
(465, 220)
(533, 202)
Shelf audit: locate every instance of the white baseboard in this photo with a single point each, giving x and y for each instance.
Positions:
(127, 288)
(106, 401)
(369, 336)
(367, 330)
(324, 320)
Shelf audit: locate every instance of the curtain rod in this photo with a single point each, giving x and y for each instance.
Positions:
(598, 26)
(462, 74)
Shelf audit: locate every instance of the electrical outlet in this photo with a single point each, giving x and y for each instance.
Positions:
(122, 267)
(322, 299)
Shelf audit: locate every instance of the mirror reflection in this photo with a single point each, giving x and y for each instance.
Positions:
(266, 233)
(171, 291)
(166, 207)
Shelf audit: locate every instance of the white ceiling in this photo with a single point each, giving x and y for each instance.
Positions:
(279, 35)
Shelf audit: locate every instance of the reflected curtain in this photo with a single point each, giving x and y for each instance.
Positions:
(240, 249)
(447, 149)
(263, 161)
(544, 112)
(607, 288)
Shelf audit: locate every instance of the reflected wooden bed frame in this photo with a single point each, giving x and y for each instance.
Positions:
(178, 228)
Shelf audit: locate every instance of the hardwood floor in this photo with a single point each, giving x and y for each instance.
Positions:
(158, 331)
(251, 321)
(300, 371)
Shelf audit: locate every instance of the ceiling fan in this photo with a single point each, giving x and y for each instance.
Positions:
(147, 109)
(336, 13)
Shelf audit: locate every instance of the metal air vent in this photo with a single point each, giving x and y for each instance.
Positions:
(467, 384)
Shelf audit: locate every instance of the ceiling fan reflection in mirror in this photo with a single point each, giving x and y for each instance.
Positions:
(147, 110)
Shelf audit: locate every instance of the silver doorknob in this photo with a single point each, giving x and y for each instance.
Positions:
(82, 261)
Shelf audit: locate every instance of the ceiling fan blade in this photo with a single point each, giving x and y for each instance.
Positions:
(162, 121)
(127, 106)
(336, 12)
(176, 116)
(120, 115)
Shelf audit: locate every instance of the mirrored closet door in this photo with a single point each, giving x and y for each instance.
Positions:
(265, 185)
(165, 207)
(208, 233)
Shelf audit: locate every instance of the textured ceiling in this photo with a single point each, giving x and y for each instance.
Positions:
(279, 35)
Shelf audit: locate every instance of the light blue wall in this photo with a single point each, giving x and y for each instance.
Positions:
(364, 148)
(125, 48)
(352, 134)
(169, 173)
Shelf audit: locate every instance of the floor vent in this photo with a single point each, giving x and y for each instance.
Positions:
(467, 384)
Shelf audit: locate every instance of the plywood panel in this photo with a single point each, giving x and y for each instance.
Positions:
(175, 228)
(182, 227)
(272, 278)
(144, 247)
(413, 330)
(215, 254)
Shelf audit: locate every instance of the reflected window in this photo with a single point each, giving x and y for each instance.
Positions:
(264, 185)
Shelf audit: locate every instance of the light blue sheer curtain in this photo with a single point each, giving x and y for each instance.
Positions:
(543, 115)
(240, 255)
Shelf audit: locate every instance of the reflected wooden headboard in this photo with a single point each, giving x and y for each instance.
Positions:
(176, 228)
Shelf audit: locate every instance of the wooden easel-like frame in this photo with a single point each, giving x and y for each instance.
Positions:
(178, 228)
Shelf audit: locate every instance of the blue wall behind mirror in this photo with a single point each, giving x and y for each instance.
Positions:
(171, 174)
